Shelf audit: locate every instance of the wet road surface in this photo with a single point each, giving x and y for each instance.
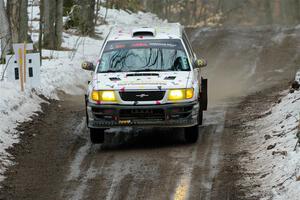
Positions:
(55, 159)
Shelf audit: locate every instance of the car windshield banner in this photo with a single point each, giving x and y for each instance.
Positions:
(133, 44)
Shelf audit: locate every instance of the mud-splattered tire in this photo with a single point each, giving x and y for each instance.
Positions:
(200, 117)
(97, 135)
(191, 134)
(203, 95)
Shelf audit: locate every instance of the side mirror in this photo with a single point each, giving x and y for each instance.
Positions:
(200, 63)
(88, 66)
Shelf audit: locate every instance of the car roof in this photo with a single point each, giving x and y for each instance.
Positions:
(137, 32)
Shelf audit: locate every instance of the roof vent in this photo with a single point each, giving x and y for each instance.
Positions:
(143, 32)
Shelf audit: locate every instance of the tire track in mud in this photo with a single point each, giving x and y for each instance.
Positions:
(199, 172)
(140, 174)
(147, 164)
(129, 173)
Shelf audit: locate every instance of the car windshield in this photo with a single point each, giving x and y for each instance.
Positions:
(143, 55)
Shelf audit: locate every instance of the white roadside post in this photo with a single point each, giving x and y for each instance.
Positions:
(20, 50)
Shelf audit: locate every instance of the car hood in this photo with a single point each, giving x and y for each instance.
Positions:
(142, 80)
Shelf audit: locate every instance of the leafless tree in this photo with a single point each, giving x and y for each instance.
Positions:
(4, 31)
(52, 20)
(97, 11)
(86, 23)
(18, 20)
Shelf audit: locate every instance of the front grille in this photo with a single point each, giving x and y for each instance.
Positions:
(158, 114)
(142, 96)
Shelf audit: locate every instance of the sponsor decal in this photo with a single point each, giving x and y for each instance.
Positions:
(124, 122)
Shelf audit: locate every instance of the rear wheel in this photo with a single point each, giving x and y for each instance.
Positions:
(97, 135)
(191, 134)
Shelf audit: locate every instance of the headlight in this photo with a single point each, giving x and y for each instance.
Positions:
(108, 96)
(180, 94)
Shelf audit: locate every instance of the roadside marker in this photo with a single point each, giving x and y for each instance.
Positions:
(20, 50)
(21, 69)
(25, 62)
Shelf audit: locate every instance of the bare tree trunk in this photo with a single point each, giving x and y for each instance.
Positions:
(53, 23)
(106, 10)
(18, 19)
(48, 24)
(268, 12)
(97, 11)
(41, 29)
(58, 23)
(293, 11)
(86, 24)
(195, 12)
(4, 32)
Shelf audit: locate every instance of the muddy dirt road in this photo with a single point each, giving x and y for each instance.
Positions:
(55, 159)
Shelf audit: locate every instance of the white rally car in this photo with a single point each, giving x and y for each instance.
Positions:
(146, 77)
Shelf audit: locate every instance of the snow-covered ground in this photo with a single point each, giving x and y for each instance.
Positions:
(272, 155)
(61, 72)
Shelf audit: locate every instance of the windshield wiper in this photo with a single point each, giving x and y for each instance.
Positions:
(140, 70)
(111, 71)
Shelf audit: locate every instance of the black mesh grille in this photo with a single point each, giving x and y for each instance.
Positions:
(142, 96)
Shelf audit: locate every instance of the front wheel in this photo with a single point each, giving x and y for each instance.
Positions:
(97, 135)
(191, 134)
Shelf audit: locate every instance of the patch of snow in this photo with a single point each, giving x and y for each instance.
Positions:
(15, 108)
(279, 70)
(278, 39)
(60, 72)
(272, 150)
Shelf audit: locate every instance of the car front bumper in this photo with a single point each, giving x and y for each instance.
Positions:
(166, 115)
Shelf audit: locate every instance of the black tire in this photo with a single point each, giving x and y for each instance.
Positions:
(200, 117)
(86, 112)
(191, 134)
(203, 95)
(97, 135)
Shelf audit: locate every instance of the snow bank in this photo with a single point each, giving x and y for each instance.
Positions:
(61, 71)
(272, 151)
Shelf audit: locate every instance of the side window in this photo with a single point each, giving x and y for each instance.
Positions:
(188, 46)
